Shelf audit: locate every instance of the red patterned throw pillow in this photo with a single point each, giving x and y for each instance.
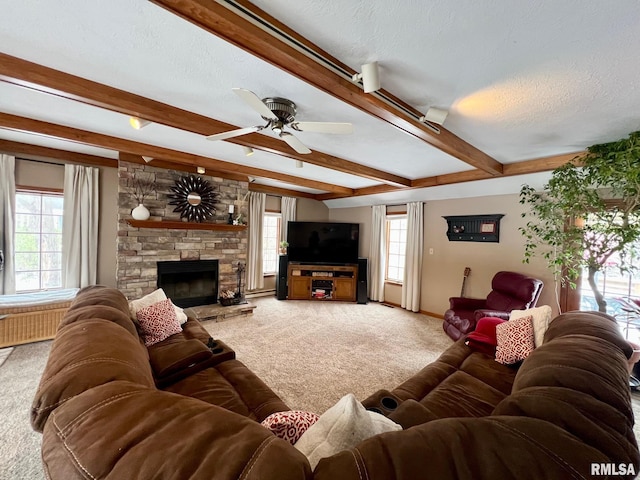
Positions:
(158, 322)
(290, 425)
(515, 340)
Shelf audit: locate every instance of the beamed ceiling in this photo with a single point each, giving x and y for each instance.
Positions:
(528, 86)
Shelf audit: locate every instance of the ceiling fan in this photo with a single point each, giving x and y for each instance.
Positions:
(280, 113)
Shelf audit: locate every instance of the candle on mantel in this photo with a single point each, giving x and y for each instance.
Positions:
(230, 208)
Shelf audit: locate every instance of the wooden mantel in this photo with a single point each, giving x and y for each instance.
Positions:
(177, 225)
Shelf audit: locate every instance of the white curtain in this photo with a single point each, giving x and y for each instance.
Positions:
(288, 213)
(7, 227)
(413, 257)
(255, 275)
(80, 226)
(377, 253)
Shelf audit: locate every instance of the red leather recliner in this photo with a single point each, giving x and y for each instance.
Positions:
(511, 291)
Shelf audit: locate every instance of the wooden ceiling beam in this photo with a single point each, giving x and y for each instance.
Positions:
(54, 82)
(535, 165)
(236, 28)
(18, 148)
(22, 124)
(157, 163)
(257, 187)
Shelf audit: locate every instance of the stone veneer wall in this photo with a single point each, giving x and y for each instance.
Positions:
(140, 248)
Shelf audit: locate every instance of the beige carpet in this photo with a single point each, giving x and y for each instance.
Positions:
(313, 353)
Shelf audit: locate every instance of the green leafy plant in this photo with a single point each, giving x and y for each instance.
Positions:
(587, 214)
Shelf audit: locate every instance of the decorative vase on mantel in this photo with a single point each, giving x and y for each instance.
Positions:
(140, 213)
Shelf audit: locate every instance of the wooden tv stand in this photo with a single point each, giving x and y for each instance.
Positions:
(322, 282)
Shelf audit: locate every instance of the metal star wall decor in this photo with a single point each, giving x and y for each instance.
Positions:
(194, 198)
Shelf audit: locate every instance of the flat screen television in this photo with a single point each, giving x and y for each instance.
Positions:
(323, 242)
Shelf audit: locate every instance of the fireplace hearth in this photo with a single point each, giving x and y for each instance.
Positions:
(189, 283)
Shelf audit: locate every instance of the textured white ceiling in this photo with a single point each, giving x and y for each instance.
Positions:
(522, 79)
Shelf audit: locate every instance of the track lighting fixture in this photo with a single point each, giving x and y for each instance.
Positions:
(200, 170)
(251, 179)
(147, 159)
(299, 164)
(248, 151)
(138, 123)
(435, 115)
(370, 77)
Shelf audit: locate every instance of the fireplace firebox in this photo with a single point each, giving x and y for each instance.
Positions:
(189, 283)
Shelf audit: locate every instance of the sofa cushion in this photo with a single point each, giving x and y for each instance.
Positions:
(98, 301)
(541, 317)
(125, 431)
(158, 322)
(77, 363)
(290, 425)
(515, 340)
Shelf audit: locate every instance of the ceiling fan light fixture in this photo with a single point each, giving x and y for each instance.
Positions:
(435, 115)
(248, 151)
(138, 123)
(299, 164)
(370, 77)
(147, 159)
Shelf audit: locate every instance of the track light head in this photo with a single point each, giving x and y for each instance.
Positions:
(138, 123)
(248, 151)
(200, 170)
(370, 77)
(299, 164)
(147, 159)
(435, 115)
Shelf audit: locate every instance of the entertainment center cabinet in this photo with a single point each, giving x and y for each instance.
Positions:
(322, 282)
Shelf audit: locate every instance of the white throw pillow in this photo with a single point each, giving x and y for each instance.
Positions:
(152, 298)
(342, 427)
(541, 317)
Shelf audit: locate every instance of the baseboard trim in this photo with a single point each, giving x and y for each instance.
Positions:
(431, 314)
(263, 293)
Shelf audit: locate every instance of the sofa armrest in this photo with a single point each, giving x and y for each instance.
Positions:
(123, 430)
(483, 312)
(464, 303)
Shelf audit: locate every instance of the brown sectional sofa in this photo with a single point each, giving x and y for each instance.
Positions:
(105, 412)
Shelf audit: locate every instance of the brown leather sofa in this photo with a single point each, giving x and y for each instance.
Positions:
(509, 291)
(464, 416)
(102, 414)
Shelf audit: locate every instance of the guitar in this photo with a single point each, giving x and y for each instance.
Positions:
(467, 271)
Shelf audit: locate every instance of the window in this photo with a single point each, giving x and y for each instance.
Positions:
(38, 241)
(396, 247)
(270, 242)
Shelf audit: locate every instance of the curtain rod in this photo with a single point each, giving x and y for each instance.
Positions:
(40, 161)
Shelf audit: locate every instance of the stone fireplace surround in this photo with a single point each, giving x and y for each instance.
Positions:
(139, 249)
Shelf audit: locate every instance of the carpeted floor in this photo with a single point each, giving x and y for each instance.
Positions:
(310, 353)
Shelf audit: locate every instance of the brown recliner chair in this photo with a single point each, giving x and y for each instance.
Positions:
(511, 291)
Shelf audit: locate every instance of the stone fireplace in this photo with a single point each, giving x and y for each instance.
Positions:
(142, 249)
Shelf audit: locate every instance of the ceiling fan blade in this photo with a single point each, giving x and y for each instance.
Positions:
(294, 143)
(323, 127)
(254, 102)
(234, 133)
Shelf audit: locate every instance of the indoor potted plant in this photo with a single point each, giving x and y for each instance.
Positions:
(283, 247)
